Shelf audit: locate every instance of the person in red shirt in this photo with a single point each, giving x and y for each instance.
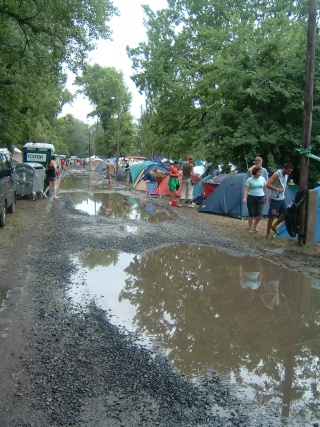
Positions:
(173, 182)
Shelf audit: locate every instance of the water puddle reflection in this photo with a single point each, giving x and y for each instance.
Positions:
(116, 205)
(248, 319)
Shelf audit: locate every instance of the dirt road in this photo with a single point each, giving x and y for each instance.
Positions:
(61, 367)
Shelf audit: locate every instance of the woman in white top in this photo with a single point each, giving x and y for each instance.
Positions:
(255, 195)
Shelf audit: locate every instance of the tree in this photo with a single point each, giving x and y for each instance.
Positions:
(36, 40)
(105, 88)
(225, 78)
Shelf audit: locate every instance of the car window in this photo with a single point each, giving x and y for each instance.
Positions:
(4, 162)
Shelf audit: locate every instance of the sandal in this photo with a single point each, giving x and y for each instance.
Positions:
(269, 237)
(276, 232)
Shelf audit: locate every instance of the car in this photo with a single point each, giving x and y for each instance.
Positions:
(7, 186)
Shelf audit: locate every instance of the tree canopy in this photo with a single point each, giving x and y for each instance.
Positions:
(105, 88)
(38, 39)
(224, 80)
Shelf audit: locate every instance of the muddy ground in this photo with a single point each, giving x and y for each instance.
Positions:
(66, 368)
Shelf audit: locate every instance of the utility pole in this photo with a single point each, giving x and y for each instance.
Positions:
(307, 116)
(118, 135)
(89, 142)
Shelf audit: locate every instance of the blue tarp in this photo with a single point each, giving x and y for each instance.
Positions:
(226, 199)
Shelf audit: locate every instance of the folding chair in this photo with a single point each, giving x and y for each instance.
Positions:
(152, 189)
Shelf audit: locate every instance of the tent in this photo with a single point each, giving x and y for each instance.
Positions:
(226, 199)
(153, 172)
(283, 231)
(210, 185)
(164, 189)
(94, 163)
(101, 166)
(136, 169)
(198, 188)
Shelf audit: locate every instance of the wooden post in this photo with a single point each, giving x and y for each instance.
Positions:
(307, 116)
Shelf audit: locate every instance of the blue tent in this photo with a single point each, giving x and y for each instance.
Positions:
(155, 166)
(136, 169)
(198, 188)
(142, 171)
(160, 162)
(100, 167)
(226, 199)
(283, 231)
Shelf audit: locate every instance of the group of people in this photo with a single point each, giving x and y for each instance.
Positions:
(186, 183)
(255, 191)
(255, 195)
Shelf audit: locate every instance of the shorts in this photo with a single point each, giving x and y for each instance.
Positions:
(255, 205)
(186, 189)
(51, 178)
(277, 207)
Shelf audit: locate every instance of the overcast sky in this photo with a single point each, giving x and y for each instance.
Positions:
(127, 29)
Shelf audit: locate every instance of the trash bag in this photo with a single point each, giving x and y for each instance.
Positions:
(292, 216)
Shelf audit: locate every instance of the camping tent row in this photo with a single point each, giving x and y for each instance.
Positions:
(224, 195)
(155, 171)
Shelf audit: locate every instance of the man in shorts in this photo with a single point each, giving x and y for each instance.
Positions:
(278, 206)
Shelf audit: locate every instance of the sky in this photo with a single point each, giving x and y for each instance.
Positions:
(127, 29)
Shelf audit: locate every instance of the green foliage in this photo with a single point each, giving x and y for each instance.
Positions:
(225, 80)
(36, 39)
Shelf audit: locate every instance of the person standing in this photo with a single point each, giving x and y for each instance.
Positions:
(173, 182)
(255, 195)
(186, 185)
(51, 172)
(278, 206)
(127, 170)
(258, 162)
(109, 170)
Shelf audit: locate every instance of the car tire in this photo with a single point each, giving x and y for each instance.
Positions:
(12, 207)
(3, 218)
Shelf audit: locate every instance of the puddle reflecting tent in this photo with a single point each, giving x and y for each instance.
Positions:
(226, 199)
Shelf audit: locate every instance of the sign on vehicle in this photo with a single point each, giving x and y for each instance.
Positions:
(36, 157)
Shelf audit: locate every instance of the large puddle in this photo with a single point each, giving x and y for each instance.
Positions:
(251, 321)
(116, 205)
